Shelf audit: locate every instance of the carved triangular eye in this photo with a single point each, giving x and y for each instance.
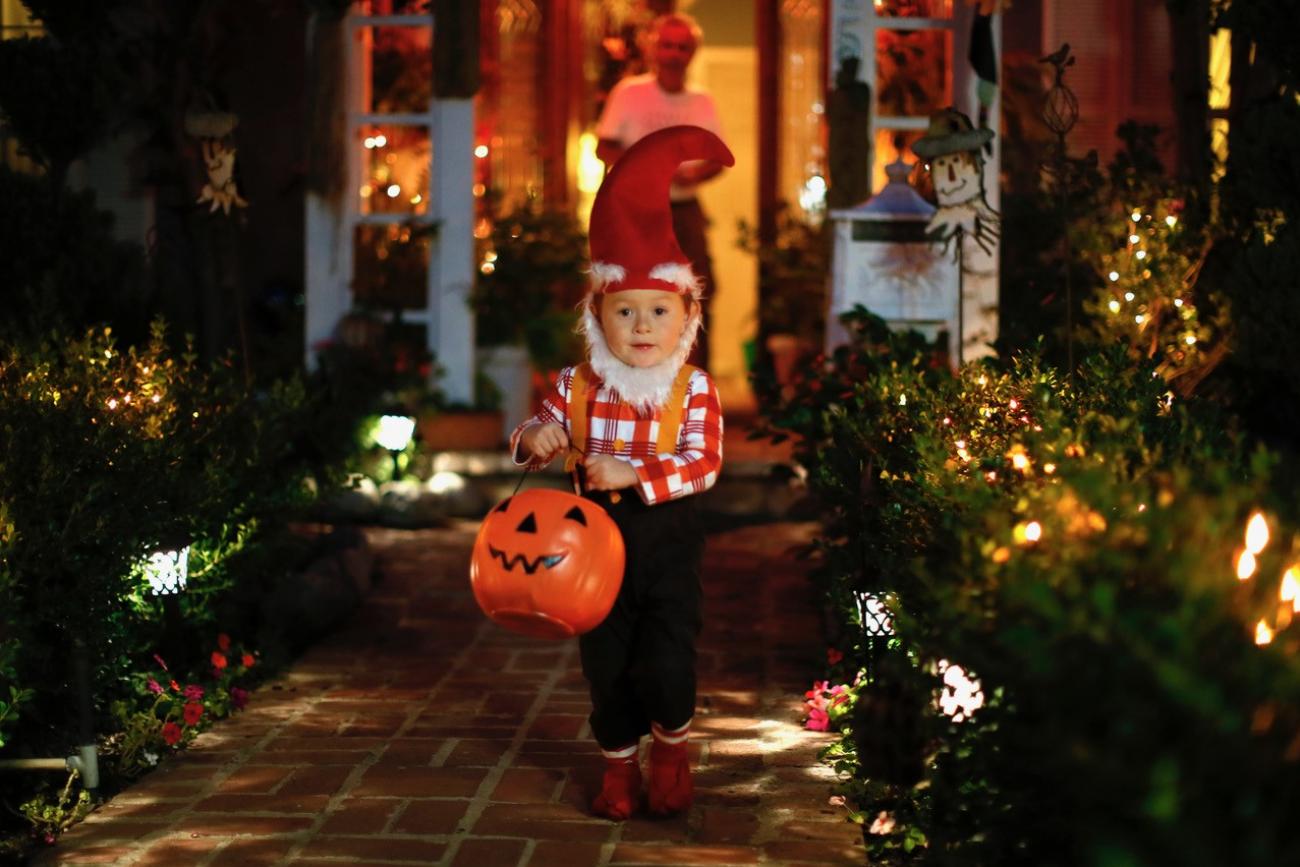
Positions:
(575, 514)
(527, 525)
(505, 504)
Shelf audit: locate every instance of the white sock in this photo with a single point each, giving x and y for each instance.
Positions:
(671, 736)
(620, 754)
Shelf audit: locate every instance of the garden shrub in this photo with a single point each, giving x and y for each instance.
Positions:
(105, 456)
(1069, 544)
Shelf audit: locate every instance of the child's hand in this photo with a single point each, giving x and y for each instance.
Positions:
(608, 473)
(545, 441)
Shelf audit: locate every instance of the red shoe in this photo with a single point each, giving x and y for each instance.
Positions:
(620, 791)
(670, 778)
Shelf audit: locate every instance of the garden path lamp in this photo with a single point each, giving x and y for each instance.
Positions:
(393, 432)
(167, 570)
(877, 626)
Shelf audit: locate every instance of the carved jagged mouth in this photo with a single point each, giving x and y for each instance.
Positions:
(550, 561)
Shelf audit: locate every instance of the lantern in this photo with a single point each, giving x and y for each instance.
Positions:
(167, 571)
(883, 260)
(547, 563)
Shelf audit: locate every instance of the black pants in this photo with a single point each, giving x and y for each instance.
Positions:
(640, 662)
(690, 225)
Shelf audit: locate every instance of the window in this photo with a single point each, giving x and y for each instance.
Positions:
(906, 51)
(802, 151)
(1220, 97)
(390, 156)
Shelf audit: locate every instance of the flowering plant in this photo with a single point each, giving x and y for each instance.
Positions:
(174, 714)
(826, 705)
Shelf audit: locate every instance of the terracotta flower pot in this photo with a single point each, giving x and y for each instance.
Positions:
(460, 431)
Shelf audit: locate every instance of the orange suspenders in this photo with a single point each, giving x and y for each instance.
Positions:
(670, 417)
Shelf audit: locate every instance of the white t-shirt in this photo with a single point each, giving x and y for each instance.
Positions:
(638, 106)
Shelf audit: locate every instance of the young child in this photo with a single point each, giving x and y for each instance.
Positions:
(646, 429)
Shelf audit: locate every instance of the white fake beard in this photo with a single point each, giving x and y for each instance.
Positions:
(645, 388)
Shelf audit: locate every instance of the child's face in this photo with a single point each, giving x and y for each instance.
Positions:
(643, 326)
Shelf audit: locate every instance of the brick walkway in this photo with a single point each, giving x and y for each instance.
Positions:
(421, 734)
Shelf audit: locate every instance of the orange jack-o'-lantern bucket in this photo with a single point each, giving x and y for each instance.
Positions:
(547, 563)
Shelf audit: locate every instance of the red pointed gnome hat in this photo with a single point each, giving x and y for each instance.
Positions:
(631, 235)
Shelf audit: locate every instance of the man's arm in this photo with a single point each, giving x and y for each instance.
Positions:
(608, 151)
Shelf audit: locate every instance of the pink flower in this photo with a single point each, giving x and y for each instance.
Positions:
(818, 721)
(219, 660)
(158, 659)
(193, 712)
(238, 697)
(819, 686)
(193, 692)
(248, 661)
(171, 733)
(883, 824)
(154, 686)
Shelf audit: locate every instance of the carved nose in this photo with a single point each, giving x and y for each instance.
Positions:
(952, 174)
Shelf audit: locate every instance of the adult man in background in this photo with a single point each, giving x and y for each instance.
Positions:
(641, 104)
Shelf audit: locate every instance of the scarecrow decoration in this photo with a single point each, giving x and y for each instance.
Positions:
(953, 149)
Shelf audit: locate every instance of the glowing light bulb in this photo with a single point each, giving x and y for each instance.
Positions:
(481, 151)
(902, 400)
(1114, 276)
(1256, 533)
(381, 140)
(1128, 296)
(1139, 319)
(1141, 254)
(1245, 566)
(1178, 302)
(1033, 531)
(1133, 239)
(1263, 635)
(1190, 339)
(1136, 215)
(1290, 590)
(394, 191)
(1171, 221)
(1049, 468)
(1113, 305)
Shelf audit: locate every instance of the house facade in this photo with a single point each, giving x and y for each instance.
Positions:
(377, 150)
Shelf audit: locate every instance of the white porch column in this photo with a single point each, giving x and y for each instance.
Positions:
(328, 271)
(980, 269)
(451, 267)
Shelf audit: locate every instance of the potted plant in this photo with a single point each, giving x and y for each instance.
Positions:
(530, 278)
(792, 287)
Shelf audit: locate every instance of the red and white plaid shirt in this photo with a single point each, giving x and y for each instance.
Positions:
(614, 428)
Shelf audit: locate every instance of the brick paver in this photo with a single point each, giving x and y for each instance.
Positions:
(422, 734)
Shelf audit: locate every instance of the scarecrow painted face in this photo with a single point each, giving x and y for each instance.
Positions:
(957, 177)
(547, 563)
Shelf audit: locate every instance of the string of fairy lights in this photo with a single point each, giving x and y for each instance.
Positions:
(1146, 295)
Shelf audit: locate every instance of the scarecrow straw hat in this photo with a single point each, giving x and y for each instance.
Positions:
(950, 132)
